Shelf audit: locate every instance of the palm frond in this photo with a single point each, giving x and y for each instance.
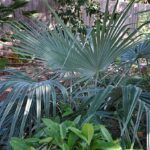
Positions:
(60, 49)
(139, 50)
(27, 102)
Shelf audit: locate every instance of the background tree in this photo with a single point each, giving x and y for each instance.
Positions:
(70, 12)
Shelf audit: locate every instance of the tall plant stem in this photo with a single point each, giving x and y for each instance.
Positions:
(96, 79)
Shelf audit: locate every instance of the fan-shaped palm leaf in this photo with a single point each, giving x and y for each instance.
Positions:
(141, 50)
(60, 49)
(26, 103)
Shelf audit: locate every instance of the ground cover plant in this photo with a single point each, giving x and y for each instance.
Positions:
(88, 80)
(67, 136)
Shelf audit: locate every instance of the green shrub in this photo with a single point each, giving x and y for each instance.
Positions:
(67, 136)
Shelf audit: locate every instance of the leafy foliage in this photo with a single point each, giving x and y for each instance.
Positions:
(141, 50)
(26, 103)
(68, 136)
(5, 11)
(70, 12)
(90, 57)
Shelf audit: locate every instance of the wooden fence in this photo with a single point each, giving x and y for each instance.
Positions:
(44, 12)
(45, 15)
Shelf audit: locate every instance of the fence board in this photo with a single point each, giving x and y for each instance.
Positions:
(45, 15)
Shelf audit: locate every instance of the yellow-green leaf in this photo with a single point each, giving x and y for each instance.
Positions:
(46, 140)
(88, 131)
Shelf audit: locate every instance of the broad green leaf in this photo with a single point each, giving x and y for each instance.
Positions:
(49, 123)
(63, 131)
(53, 130)
(46, 140)
(65, 146)
(67, 112)
(82, 146)
(78, 133)
(100, 144)
(105, 133)
(72, 138)
(64, 127)
(88, 132)
(77, 119)
(31, 140)
(68, 124)
(19, 144)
